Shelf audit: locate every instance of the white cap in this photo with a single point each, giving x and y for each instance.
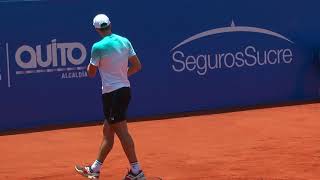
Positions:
(101, 19)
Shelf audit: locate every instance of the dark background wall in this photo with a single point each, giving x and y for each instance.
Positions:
(270, 57)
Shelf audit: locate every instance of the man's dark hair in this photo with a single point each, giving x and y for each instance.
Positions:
(105, 27)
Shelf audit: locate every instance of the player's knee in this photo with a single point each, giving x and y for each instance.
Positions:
(109, 140)
(109, 137)
(124, 137)
(110, 143)
(108, 134)
(122, 132)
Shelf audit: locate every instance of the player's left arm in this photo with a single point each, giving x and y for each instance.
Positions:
(94, 62)
(92, 70)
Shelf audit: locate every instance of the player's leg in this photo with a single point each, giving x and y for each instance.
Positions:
(107, 142)
(126, 140)
(93, 171)
(119, 126)
(121, 129)
(108, 133)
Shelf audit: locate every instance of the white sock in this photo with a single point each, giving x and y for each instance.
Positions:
(96, 166)
(135, 168)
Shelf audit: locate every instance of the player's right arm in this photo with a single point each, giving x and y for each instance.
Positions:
(135, 65)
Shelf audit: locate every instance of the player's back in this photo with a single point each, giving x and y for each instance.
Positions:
(114, 52)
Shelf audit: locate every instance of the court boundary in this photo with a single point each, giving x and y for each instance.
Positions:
(157, 117)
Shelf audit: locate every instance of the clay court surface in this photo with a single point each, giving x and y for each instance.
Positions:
(266, 144)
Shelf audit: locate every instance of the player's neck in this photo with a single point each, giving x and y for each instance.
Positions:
(108, 33)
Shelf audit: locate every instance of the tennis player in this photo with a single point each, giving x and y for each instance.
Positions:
(111, 56)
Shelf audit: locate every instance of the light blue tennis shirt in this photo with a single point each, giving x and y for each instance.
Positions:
(111, 55)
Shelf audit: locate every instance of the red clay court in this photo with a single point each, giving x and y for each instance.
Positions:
(267, 144)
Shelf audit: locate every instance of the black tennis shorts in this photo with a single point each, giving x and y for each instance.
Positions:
(115, 104)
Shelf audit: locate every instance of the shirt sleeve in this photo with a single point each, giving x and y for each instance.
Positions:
(131, 50)
(95, 56)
